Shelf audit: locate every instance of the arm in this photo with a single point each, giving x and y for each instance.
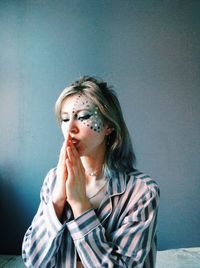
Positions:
(128, 244)
(42, 239)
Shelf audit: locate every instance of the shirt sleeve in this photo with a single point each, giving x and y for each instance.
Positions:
(42, 239)
(129, 243)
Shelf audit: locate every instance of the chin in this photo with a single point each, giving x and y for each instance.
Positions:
(80, 151)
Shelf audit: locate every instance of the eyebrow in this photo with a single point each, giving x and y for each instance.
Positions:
(76, 111)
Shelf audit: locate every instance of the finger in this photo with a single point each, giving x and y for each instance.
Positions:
(63, 148)
(69, 168)
(68, 146)
(74, 151)
(70, 154)
(69, 140)
(79, 170)
(63, 155)
(74, 162)
(76, 157)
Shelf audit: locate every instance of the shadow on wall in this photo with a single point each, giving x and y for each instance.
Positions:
(12, 223)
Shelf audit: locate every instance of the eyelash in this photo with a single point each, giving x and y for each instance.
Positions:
(84, 117)
(65, 120)
(81, 118)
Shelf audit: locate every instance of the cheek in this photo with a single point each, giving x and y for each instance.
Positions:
(94, 132)
(95, 123)
(93, 137)
(64, 130)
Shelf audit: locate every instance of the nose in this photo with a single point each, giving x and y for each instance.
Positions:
(72, 127)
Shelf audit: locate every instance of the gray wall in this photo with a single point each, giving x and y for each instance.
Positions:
(149, 50)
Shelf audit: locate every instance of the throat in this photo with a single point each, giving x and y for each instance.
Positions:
(96, 191)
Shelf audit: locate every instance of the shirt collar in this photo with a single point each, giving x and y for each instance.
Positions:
(117, 184)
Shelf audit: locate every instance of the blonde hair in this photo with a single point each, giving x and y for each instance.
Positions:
(119, 152)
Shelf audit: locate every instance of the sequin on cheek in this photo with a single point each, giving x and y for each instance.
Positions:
(94, 122)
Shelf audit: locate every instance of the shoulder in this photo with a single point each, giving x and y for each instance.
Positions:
(135, 183)
(142, 184)
(135, 191)
(140, 177)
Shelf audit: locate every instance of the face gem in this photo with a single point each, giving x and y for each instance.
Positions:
(89, 113)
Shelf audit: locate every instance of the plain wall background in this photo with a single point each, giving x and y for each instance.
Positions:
(150, 52)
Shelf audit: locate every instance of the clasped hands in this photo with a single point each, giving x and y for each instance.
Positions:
(70, 182)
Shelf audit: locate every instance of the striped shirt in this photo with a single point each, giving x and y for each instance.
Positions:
(120, 233)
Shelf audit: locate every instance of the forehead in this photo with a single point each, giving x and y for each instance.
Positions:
(77, 102)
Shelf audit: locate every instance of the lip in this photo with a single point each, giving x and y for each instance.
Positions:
(75, 141)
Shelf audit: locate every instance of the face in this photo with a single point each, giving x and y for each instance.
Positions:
(82, 120)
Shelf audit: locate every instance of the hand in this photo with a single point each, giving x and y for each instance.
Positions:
(59, 193)
(75, 183)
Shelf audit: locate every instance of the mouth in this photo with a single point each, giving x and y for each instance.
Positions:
(75, 142)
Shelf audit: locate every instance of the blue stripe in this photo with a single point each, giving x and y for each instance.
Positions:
(52, 250)
(85, 256)
(38, 254)
(83, 225)
(34, 244)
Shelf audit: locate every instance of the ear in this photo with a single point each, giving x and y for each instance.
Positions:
(109, 130)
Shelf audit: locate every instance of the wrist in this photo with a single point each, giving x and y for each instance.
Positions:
(58, 200)
(58, 204)
(79, 208)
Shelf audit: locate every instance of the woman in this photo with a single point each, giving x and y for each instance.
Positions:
(96, 210)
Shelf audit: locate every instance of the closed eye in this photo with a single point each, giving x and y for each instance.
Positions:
(84, 117)
(65, 120)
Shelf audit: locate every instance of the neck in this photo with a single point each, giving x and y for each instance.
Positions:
(93, 168)
(93, 162)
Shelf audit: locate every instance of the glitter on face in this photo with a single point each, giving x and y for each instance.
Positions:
(88, 114)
